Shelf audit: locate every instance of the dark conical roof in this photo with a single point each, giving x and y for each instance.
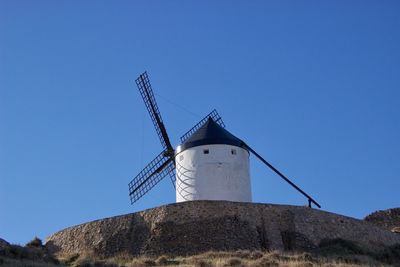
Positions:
(211, 133)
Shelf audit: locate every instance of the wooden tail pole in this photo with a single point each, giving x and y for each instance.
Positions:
(310, 199)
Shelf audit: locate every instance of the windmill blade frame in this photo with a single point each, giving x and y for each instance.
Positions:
(213, 114)
(151, 175)
(144, 86)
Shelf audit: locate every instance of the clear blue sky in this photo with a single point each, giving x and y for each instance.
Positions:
(313, 86)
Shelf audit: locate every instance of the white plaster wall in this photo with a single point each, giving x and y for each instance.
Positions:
(219, 175)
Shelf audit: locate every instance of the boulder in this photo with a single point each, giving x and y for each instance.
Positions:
(396, 230)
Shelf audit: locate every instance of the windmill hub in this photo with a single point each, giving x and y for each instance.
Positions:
(212, 165)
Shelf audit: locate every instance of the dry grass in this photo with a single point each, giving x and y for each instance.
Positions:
(225, 259)
(330, 253)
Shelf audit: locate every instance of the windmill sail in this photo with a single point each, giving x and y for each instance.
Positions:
(164, 164)
(143, 83)
(151, 175)
(213, 115)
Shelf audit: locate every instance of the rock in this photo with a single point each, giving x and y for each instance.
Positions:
(387, 219)
(194, 227)
(396, 230)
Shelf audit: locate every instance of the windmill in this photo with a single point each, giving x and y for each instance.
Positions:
(209, 164)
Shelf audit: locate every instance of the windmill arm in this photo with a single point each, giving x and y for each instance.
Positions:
(310, 199)
(144, 181)
(143, 83)
(213, 114)
(151, 175)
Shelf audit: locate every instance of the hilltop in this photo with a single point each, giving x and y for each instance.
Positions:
(194, 227)
(222, 233)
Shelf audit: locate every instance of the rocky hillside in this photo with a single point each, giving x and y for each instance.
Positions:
(387, 219)
(190, 228)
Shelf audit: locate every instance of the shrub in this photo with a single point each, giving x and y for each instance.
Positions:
(340, 247)
(71, 258)
(35, 243)
(307, 257)
(162, 260)
(390, 255)
(256, 255)
(202, 263)
(18, 252)
(234, 262)
(149, 263)
(266, 261)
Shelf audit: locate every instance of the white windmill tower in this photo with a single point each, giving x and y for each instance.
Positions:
(210, 164)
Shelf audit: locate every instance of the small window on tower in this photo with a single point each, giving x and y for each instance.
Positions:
(206, 151)
(233, 151)
(180, 157)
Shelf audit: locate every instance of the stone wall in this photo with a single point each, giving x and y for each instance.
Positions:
(198, 226)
